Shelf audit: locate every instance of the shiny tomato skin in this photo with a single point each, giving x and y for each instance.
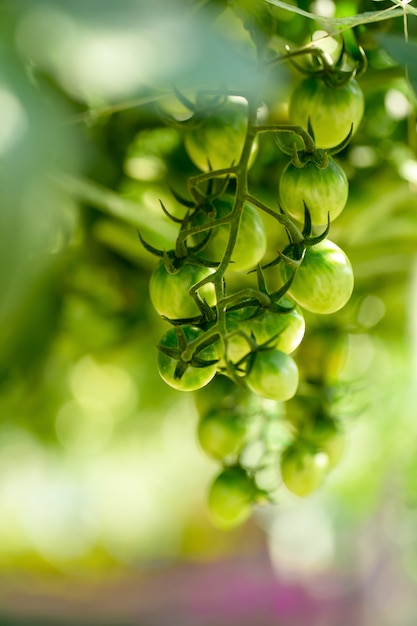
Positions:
(323, 190)
(222, 433)
(218, 140)
(302, 469)
(273, 375)
(332, 110)
(231, 497)
(323, 283)
(169, 293)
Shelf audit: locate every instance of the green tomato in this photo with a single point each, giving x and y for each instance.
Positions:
(324, 191)
(222, 433)
(303, 469)
(231, 497)
(287, 328)
(250, 245)
(219, 139)
(223, 394)
(331, 110)
(273, 374)
(189, 377)
(323, 283)
(170, 295)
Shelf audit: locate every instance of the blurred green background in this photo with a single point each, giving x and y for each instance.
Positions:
(103, 485)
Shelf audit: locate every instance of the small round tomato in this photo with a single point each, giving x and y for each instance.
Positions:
(323, 190)
(331, 110)
(287, 328)
(218, 141)
(170, 295)
(231, 497)
(323, 283)
(178, 374)
(250, 245)
(223, 394)
(303, 469)
(222, 433)
(273, 374)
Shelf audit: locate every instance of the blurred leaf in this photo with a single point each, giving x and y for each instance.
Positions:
(110, 54)
(404, 53)
(215, 7)
(26, 336)
(122, 209)
(35, 218)
(256, 18)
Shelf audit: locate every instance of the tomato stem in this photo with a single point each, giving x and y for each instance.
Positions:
(310, 146)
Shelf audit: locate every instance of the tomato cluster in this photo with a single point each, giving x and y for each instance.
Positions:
(236, 343)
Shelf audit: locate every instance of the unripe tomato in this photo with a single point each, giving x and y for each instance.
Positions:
(170, 295)
(323, 190)
(223, 394)
(332, 110)
(222, 433)
(231, 497)
(323, 283)
(194, 377)
(251, 242)
(273, 374)
(288, 328)
(302, 469)
(219, 138)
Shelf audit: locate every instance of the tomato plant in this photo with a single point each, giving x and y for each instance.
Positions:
(332, 110)
(170, 295)
(323, 283)
(250, 246)
(222, 433)
(303, 469)
(323, 189)
(231, 497)
(179, 374)
(285, 329)
(216, 142)
(111, 145)
(272, 374)
(257, 319)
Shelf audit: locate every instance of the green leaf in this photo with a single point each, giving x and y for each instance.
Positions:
(340, 22)
(404, 53)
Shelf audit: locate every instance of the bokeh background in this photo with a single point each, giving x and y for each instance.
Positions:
(103, 516)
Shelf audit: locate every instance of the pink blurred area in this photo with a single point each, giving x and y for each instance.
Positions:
(240, 591)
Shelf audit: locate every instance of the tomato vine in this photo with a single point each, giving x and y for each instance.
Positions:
(234, 326)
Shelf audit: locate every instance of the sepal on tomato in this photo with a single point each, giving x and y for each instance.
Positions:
(182, 372)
